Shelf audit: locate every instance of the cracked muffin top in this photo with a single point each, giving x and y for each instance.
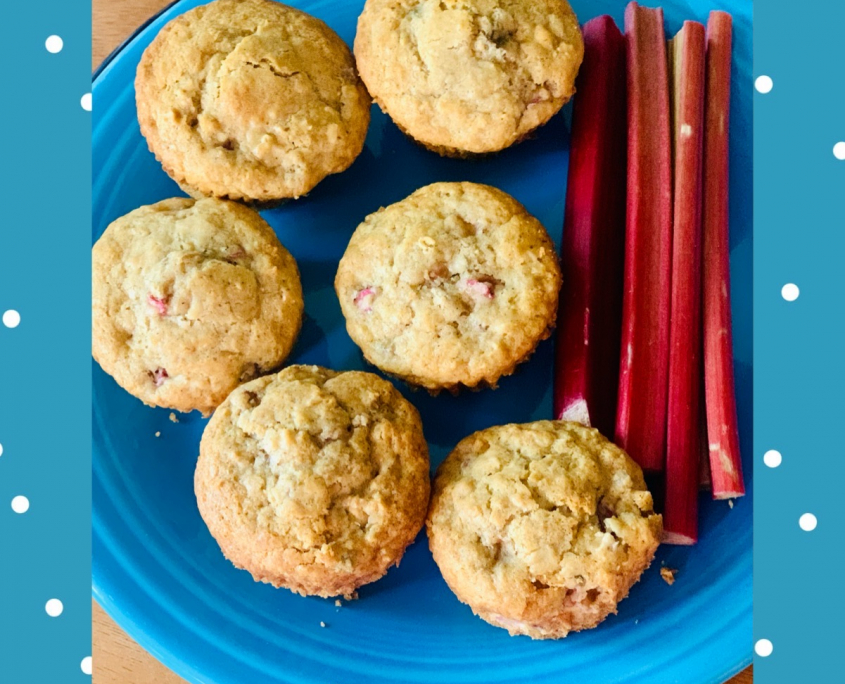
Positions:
(250, 100)
(191, 298)
(469, 76)
(453, 286)
(314, 480)
(542, 528)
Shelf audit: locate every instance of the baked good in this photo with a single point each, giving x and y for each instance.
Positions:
(314, 480)
(453, 286)
(469, 76)
(189, 299)
(542, 528)
(250, 100)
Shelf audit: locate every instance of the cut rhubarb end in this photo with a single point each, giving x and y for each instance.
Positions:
(683, 436)
(644, 356)
(592, 253)
(720, 397)
(577, 412)
(678, 539)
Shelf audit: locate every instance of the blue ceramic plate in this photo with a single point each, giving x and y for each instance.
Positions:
(160, 575)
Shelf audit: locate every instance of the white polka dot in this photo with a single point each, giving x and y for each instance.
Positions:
(54, 607)
(20, 504)
(839, 151)
(11, 318)
(808, 522)
(54, 44)
(86, 102)
(790, 292)
(86, 665)
(772, 458)
(764, 84)
(764, 648)
(1, 449)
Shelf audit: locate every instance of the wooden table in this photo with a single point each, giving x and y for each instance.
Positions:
(118, 659)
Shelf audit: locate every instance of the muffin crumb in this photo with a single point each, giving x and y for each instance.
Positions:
(668, 575)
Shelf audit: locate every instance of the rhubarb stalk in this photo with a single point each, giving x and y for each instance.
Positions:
(720, 398)
(589, 320)
(683, 436)
(704, 480)
(644, 355)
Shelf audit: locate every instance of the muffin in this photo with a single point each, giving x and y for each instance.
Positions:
(451, 287)
(191, 298)
(541, 528)
(314, 480)
(250, 100)
(470, 76)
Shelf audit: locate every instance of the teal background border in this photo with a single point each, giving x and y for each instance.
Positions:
(799, 237)
(45, 428)
(45, 376)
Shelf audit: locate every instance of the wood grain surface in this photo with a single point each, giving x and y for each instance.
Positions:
(118, 659)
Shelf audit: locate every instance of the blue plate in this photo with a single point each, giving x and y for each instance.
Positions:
(160, 575)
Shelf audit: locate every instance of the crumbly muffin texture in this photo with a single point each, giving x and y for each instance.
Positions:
(453, 286)
(542, 528)
(189, 299)
(314, 480)
(469, 75)
(251, 99)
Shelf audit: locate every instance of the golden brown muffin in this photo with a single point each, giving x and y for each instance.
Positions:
(541, 528)
(451, 287)
(250, 100)
(314, 480)
(469, 76)
(191, 298)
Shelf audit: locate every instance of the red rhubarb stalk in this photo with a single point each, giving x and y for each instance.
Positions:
(683, 436)
(589, 320)
(644, 356)
(704, 480)
(720, 399)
